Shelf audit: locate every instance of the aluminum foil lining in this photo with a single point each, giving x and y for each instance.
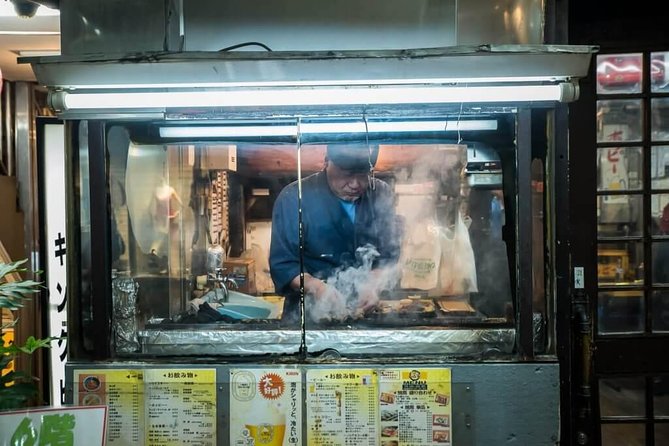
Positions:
(456, 342)
(538, 332)
(219, 342)
(124, 318)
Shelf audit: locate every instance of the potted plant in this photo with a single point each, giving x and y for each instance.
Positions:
(17, 388)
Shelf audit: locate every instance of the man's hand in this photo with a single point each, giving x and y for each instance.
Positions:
(368, 293)
(368, 299)
(327, 301)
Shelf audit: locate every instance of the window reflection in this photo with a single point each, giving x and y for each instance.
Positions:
(659, 71)
(622, 397)
(624, 434)
(619, 120)
(619, 168)
(619, 215)
(620, 312)
(659, 128)
(620, 263)
(619, 73)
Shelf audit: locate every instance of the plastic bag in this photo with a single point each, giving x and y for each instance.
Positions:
(457, 268)
(420, 256)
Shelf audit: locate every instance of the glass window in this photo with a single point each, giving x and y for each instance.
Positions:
(397, 233)
(619, 73)
(619, 215)
(661, 396)
(619, 168)
(620, 263)
(620, 312)
(661, 434)
(624, 434)
(659, 72)
(659, 167)
(619, 120)
(661, 262)
(659, 108)
(661, 311)
(622, 397)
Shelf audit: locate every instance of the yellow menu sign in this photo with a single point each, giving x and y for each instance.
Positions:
(385, 406)
(415, 407)
(342, 407)
(180, 407)
(157, 407)
(122, 391)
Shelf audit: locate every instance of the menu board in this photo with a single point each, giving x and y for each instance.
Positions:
(122, 391)
(387, 407)
(180, 407)
(415, 407)
(342, 407)
(153, 406)
(265, 407)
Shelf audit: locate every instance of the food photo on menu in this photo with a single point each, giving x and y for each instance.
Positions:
(441, 399)
(91, 390)
(441, 420)
(387, 398)
(389, 431)
(441, 436)
(390, 443)
(389, 415)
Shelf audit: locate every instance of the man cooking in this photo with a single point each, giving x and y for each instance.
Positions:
(351, 236)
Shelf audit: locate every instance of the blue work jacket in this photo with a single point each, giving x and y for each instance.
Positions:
(330, 237)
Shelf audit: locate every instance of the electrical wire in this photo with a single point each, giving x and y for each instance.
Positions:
(244, 44)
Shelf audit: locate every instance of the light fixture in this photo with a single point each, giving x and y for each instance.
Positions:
(311, 96)
(7, 9)
(219, 131)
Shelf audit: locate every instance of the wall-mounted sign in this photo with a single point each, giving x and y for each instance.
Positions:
(66, 426)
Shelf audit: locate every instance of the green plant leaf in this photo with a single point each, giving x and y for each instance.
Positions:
(13, 267)
(33, 344)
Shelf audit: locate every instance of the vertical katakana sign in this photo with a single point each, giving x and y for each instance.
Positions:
(56, 248)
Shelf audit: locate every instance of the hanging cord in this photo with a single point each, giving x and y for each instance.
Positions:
(458, 123)
(371, 176)
(459, 199)
(300, 232)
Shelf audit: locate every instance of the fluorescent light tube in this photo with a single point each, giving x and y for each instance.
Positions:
(227, 131)
(323, 128)
(312, 97)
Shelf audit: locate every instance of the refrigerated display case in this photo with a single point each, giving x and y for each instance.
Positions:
(185, 218)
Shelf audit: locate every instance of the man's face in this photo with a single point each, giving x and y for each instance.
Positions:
(348, 185)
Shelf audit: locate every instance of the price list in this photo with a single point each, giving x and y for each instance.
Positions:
(121, 391)
(180, 407)
(415, 407)
(343, 408)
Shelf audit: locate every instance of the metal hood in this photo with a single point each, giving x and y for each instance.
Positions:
(458, 72)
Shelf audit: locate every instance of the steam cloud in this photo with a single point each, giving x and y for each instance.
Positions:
(348, 286)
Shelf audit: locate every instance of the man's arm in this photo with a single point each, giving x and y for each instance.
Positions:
(284, 256)
(312, 285)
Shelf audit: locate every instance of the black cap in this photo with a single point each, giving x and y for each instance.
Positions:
(357, 157)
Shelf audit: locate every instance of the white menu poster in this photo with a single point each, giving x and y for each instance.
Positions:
(265, 407)
(415, 407)
(180, 407)
(342, 407)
